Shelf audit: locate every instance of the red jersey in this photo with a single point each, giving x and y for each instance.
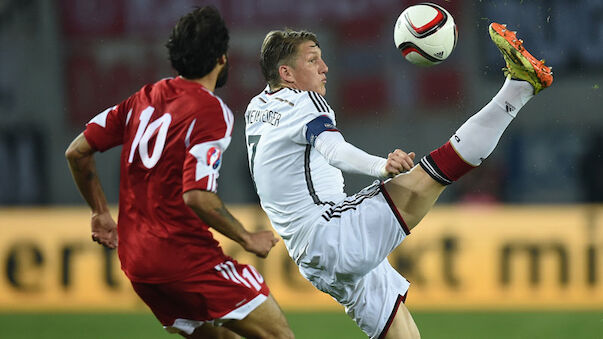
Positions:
(173, 134)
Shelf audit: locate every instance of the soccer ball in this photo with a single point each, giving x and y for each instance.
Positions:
(425, 34)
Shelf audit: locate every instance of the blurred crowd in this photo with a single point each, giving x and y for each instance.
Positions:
(66, 60)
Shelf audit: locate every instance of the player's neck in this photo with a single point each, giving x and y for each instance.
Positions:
(281, 86)
(209, 80)
(206, 82)
(273, 89)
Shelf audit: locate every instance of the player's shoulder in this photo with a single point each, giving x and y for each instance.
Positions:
(159, 89)
(192, 93)
(298, 99)
(189, 101)
(212, 101)
(204, 102)
(316, 100)
(212, 110)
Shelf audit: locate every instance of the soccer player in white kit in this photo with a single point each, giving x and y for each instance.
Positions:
(296, 155)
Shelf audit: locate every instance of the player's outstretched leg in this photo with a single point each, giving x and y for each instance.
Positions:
(415, 192)
(521, 65)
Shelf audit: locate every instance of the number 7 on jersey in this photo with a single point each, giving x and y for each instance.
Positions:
(253, 141)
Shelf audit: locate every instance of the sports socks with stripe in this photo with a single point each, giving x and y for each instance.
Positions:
(477, 137)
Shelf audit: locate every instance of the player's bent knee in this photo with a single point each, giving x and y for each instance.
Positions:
(265, 331)
(413, 193)
(284, 333)
(276, 330)
(273, 333)
(267, 321)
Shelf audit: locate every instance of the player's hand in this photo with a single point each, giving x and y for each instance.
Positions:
(399, 161)
(260, 243)
(104, 229)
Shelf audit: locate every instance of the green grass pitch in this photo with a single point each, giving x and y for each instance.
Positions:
(316, 325)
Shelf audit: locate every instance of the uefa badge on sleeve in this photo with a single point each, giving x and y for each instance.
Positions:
(214, 156)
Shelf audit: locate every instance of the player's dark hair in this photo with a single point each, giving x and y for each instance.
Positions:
(280, 48)
(197, 41)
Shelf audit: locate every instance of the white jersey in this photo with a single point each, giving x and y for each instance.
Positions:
(340, 244)
(295, 183)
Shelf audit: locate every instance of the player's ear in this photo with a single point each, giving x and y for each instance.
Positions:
(286, 74)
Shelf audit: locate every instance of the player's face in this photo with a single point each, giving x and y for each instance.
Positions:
(310, 71)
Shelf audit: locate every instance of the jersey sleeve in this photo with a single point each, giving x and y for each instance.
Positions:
(207, 138)
(106, 129)
(347, 157)
(315, 117)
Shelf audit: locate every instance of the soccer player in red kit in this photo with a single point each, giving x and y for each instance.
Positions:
(173, 134)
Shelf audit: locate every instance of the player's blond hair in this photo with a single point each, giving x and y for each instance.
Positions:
(280, 48)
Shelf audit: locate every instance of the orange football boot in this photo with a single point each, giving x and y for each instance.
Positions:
(521, 65)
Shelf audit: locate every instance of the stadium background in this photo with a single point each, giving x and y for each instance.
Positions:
(523, 234)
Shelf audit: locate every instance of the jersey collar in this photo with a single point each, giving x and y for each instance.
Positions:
(269, 92)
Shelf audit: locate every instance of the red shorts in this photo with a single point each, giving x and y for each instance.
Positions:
(228, 291)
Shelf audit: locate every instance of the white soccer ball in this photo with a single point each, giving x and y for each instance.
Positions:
(425, 34)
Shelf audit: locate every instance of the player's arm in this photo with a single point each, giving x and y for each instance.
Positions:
(329, 142)
(209, 137)
(80, 157)
(210, 208)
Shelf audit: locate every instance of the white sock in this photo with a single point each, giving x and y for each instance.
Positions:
(478, 136)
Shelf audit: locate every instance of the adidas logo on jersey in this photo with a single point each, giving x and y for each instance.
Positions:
(509, 107)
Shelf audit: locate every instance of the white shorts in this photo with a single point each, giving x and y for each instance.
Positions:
(346, 257)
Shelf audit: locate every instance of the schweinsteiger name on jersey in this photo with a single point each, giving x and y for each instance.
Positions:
(265, 116)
